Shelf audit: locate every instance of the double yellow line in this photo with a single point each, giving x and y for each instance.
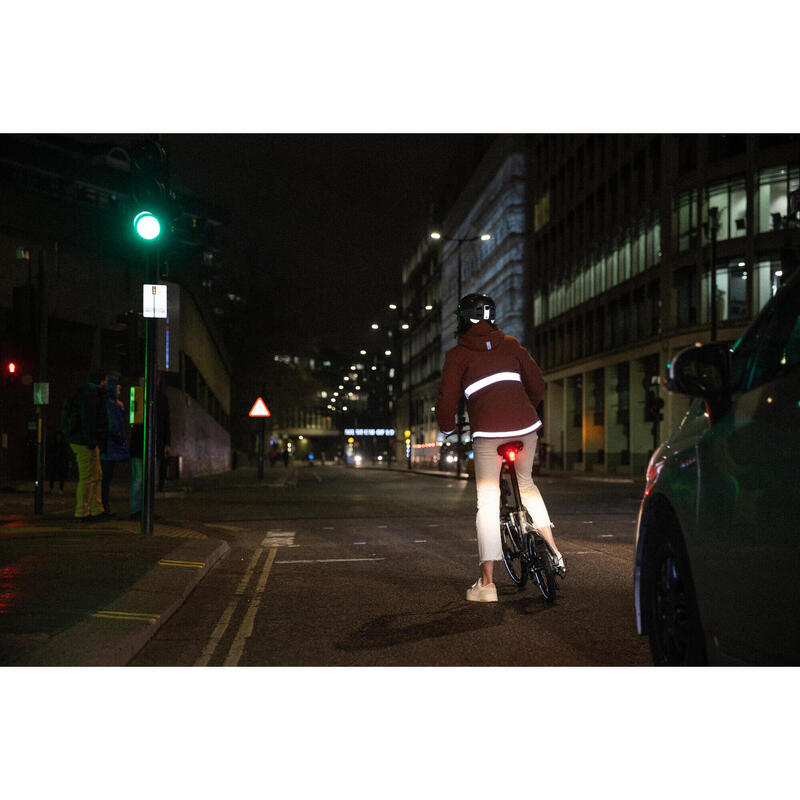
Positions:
(246, 626)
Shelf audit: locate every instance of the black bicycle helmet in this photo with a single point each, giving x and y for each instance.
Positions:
(476, 308)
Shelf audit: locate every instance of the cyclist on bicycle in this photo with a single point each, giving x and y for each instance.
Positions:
(502, 385)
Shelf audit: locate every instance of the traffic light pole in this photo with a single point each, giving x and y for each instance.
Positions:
(149, 454)
(41, 416)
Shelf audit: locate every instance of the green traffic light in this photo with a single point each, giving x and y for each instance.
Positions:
(147, 225)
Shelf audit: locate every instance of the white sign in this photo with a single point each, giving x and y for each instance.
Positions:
(154, 300)
(41, 394)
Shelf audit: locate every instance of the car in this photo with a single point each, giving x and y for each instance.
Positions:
(717, 548)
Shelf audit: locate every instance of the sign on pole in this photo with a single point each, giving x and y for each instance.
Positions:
(259, 409)
(41, 394)
(154, 300)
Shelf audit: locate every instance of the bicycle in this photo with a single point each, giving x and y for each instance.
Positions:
(526, 552)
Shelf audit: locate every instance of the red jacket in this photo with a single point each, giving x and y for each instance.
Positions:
(502, 383)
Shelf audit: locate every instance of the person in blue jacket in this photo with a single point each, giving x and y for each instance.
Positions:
(117, 448)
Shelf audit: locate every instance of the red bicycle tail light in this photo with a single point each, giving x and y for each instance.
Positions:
(512, 455)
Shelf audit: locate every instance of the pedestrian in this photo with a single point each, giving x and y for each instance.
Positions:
(136, 450)
(58, 455)
(85, 425)
(116, 448)
(285, 456)
(163, 431)
(502, 385)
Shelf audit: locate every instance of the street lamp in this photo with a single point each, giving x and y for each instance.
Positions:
(483, 237)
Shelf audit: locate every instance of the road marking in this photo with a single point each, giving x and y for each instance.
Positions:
(278, 539)
(224, 620)
(246, 628)
(606, 535)
(328, 528)
(359, 542)
(420, 541)
(433, 525)
(327, 560)
(130, 615)
(168, 562)
(588, 522)
(233, 528)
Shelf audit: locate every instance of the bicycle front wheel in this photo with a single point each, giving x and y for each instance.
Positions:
(514, 556)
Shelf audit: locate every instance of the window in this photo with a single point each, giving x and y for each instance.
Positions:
(537, 309)
(625, 319)
(768, 279)
(652, 248)
(612, 331)
(774, 186)
(625, 259)
(730, 200)
(686, 213)
(731, 292)
(612, 268)
(639, 313)
(597, 396)
(685, 296)
(654, 296)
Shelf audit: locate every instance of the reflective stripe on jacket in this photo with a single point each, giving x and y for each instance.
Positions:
(501, 382)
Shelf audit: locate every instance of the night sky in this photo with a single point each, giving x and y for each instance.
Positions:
(323, 223)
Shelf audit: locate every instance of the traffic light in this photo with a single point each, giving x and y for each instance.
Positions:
(147, 225)
(149, 189)
(653, 406)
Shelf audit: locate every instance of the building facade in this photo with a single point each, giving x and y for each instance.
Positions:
(621, 235)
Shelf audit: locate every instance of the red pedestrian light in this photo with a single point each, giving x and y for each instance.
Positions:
(11, 367)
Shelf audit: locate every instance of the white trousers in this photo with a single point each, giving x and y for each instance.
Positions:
(487, 484)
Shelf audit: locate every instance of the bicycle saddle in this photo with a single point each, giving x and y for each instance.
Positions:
(504, 448)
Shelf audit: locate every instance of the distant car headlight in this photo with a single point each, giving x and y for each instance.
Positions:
(357, 459)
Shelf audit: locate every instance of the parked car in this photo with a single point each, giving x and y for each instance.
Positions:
(717, 564)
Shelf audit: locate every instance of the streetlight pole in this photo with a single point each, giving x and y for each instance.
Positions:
(461, 419)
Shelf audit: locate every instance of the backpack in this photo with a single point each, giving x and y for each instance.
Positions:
(71, 416)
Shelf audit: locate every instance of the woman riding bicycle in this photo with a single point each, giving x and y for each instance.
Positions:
(502, 385)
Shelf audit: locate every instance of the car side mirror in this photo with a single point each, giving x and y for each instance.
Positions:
(703, 371)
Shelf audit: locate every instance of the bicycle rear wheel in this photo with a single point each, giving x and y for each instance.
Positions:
(543, 571)
(514, 556)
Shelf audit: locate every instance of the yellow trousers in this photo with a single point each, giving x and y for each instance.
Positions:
(88, 500)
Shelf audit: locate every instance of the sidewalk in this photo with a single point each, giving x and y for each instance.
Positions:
(89, 594)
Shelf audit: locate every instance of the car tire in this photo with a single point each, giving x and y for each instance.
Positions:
(669, 604)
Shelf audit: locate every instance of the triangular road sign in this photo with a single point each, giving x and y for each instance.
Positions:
(259, 409)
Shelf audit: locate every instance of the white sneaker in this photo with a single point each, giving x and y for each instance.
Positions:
(478, 593)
